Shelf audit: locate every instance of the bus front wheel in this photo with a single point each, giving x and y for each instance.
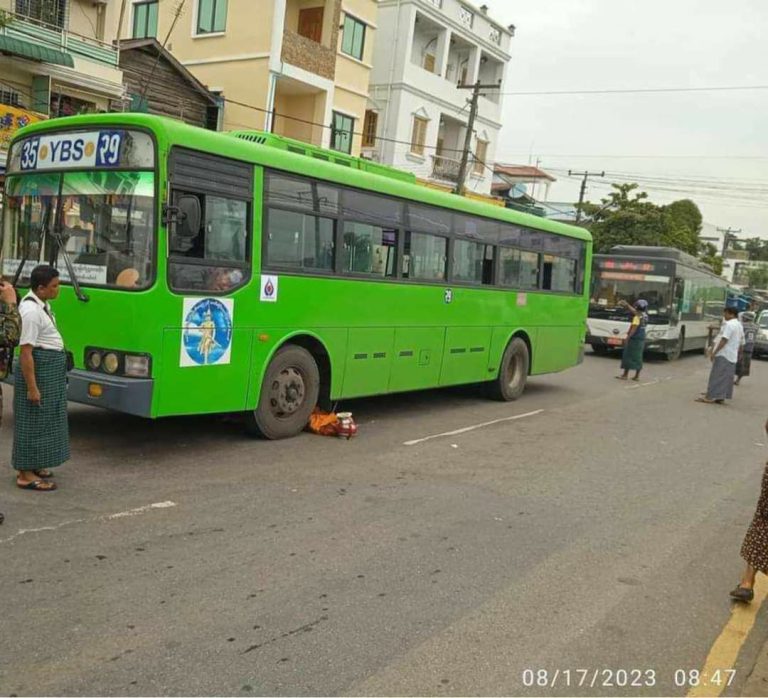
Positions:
(288, 395)
(513, 372)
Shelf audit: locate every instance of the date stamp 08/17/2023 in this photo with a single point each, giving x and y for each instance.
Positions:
(625, 678)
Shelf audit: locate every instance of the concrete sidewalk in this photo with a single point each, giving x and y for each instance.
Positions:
(757, 682)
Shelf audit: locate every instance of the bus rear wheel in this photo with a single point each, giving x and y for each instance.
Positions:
(288, 395)
(513, 372)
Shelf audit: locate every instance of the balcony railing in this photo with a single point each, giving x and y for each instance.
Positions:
(445, 168)
(34, 30)
(309, 55)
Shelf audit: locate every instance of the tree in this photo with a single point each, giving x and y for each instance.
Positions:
(627, 217)
(757, 249)
(757, 277)
(709, 255)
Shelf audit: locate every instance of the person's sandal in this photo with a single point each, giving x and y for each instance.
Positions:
(742, 594)
(45, 474)
(37, 485)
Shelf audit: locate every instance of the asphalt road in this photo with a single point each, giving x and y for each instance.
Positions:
(599, 533)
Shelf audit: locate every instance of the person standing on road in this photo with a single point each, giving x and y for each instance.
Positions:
(41, 433)
(754, 549)
(724, 357)
(632, 356)
(10, 328)
(750, 334)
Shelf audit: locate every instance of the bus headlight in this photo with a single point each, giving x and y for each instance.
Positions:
(93, 359)
(136, 366)
(111, 362)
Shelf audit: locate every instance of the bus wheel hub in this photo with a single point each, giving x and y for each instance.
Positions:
(287, 391)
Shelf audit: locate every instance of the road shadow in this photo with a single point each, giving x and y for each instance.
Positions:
(91, 426)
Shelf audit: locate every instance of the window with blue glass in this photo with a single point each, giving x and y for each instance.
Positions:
(353, 38)
(343, 127)
(211, 16)
(145, 20)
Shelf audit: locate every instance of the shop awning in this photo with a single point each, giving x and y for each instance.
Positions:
(35, 52)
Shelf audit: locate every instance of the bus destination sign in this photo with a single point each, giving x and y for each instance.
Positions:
(634, 266)
(71, 150)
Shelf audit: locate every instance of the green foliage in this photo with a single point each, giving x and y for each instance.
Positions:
(758, 277)
(708, 254)
(627, 217)
(757, 249)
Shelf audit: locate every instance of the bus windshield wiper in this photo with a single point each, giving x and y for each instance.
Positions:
(56, 235)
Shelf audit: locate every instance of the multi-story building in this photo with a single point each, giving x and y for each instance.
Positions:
(298, 68)
(57, 57)
(417, 121)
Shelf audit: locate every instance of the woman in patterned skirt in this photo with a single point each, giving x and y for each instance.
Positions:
(754, 550)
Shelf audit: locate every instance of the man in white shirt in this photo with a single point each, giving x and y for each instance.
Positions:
(41, 431)
(724, 357)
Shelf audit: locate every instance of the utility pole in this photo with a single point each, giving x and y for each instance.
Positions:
(729, 235)
(583, 190)
(459, 189)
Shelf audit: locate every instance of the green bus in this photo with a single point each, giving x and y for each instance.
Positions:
(244, 272)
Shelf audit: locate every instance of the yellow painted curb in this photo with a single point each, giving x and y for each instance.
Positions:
(724, 653)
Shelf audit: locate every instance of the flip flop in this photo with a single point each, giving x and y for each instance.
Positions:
(37, 485)
(44, 473)
(705, 400)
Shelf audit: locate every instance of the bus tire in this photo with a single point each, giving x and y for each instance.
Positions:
(513, 372)
(288, 395)
(674, 353)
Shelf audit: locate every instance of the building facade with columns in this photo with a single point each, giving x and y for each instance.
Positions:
(298, 68)
(417, 117)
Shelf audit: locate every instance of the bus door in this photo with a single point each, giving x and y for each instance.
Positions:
(208, 333)
(678, 293)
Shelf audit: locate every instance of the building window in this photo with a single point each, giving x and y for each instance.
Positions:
(429, 62)
(341, 132)
(419, 135)
(311, 23)
(466, 17)
(145, 20)
(211, 16)
(353, 39)
(9, 97)
(51, 12)
(481, 154)
(369, 129)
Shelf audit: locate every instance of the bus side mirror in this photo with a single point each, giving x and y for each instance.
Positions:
(189, 217)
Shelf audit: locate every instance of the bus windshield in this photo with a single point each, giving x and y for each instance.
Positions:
(610, 287)
(103, 218)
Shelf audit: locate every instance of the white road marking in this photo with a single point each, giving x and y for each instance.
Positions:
(103, 517)
(464, 430)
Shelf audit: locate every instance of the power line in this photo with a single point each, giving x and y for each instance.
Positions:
(639, 90)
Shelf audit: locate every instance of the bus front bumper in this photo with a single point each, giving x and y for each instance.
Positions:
(128, 395)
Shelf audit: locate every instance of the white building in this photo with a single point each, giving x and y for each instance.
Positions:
(418, 116)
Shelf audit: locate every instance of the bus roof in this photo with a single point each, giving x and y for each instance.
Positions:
(230, 144)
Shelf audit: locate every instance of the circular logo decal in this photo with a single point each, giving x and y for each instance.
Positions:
(207, 331)
(43, 152)
(89, 148)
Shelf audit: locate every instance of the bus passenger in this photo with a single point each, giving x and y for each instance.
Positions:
(41, 431)
(632, 357)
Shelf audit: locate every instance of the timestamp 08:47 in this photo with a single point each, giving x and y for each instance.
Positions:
(624, 678)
